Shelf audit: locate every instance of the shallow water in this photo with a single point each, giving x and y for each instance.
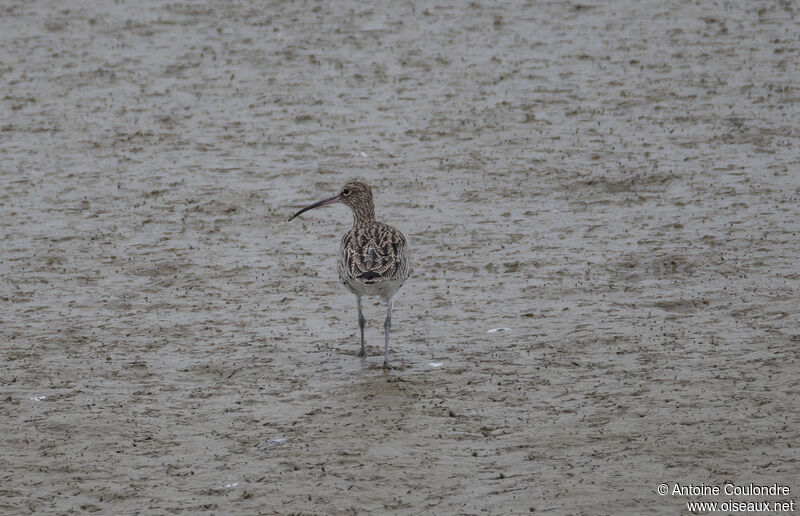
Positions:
(617, 185)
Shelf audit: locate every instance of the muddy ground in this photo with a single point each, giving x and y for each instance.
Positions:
(617, 185)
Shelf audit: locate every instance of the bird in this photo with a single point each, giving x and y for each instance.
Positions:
(374, 259)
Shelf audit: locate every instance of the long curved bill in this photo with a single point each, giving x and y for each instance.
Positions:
(332, 200)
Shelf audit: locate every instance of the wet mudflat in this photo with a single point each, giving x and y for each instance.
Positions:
(616, 185)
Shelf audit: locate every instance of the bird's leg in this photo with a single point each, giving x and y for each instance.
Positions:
(387, 326)
(361, 323)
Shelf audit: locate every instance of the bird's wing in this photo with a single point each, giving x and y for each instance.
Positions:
(373, 252)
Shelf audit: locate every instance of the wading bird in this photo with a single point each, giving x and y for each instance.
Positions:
(373, 257)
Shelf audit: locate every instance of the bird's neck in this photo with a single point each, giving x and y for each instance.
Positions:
(363, 214)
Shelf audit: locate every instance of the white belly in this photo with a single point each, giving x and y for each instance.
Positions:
(384, 288)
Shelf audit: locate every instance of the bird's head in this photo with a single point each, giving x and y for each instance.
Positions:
(355, 194)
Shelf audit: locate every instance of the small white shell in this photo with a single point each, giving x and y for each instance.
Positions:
(497, 330)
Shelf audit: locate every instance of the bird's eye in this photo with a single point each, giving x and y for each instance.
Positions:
(346, 191)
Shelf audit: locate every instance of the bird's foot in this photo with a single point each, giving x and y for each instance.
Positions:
(362, 353)
(386, 365)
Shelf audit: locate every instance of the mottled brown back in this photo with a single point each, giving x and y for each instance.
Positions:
(373, 252)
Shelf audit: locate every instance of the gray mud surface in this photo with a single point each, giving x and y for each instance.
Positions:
(618, 185)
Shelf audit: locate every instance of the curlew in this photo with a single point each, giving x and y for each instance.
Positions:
(373, 257)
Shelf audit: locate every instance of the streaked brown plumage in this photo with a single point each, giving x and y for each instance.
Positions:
(373, 257)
